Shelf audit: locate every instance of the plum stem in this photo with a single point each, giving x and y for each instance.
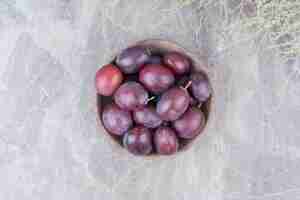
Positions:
(150, 99)
(148, 50)
(200, 104)
(188, 85)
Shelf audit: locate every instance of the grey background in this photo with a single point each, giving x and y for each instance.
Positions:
(52, 148)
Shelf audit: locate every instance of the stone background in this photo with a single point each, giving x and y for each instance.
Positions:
(51, 147)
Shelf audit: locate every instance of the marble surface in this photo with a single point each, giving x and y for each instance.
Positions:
(51, 147)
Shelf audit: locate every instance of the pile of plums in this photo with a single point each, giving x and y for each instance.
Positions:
(153, 102)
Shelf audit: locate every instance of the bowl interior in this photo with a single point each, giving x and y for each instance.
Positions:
(161, 47)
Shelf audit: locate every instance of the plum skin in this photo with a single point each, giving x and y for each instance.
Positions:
(108, 79)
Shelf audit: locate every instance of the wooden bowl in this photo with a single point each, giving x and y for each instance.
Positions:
(161, 47)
